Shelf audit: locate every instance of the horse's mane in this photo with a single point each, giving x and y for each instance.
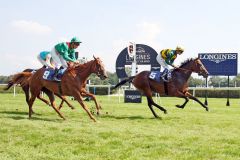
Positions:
(186, 62)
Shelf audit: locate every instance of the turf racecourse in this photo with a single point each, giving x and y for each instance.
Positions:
(124, 131)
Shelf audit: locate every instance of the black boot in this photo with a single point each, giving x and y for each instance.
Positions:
(55, 78)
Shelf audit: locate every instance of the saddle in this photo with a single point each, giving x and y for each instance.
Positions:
(49, 74)
(158, 76)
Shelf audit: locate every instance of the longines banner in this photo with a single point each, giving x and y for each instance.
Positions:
(220, 64)
(132, 96)
(145, 55)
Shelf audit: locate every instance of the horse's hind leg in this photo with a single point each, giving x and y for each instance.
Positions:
(159, 107)
(30, 104)
(52, 100)
(26, 91)
(150, 107)
(195, 99)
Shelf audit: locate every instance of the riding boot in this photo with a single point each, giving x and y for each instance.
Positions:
(169, 76)
(56, 74)
(164, 73)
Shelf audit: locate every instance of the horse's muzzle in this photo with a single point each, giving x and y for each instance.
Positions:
(103, 77)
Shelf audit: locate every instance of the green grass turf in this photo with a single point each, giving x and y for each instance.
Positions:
(123, 131)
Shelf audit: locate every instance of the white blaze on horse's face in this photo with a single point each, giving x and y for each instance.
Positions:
(100, 69)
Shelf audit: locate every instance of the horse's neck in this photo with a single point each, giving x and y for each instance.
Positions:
(185, 72)
(85, 71)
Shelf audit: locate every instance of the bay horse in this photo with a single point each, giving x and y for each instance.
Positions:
(177, 87)
(71, 84)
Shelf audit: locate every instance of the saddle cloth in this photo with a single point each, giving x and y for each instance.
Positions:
(49, 73)
(156, 76)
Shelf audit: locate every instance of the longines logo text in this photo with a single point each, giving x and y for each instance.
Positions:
(218, 57)
(133, 96)
(142, 56)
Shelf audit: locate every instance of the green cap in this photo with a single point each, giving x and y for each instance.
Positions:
(76, 39)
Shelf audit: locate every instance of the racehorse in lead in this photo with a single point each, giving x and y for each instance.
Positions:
(177, 87)
(72, 83)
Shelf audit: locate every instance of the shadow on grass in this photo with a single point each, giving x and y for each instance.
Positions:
(18, 113)
(24, 115)
(129, 117)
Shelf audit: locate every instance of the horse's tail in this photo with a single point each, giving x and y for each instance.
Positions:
(19, 78)
(124, 81)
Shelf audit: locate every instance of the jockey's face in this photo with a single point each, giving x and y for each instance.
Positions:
(75, 45)
(179, 52)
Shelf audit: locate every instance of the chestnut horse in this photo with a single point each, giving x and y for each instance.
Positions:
(23, 81)
(71, 84)
(177, 87)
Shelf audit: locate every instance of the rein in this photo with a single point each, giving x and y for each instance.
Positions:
(183, 69)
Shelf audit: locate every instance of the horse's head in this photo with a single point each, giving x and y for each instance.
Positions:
(199, 68)
(99, 68)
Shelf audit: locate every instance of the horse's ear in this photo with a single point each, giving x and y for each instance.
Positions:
(94, 57)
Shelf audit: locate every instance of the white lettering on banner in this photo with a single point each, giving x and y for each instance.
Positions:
(141, 56)
(218, 57)
(133, 96)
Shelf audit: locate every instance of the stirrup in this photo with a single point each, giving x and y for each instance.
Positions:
(56, 79)
(165, 80)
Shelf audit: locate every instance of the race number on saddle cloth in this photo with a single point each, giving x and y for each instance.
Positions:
(49, 74)
(155, 75)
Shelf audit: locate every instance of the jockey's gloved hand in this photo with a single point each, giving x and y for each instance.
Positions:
(174, 66)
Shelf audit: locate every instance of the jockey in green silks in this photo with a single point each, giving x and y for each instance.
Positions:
(64, 52)
(166, 59)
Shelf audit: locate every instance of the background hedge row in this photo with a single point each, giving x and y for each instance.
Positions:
(198, 93)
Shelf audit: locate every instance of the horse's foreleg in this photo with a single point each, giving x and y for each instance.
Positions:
(64, 99)
(84, 94)
(182, 95)
(195, 99)
(78, 97)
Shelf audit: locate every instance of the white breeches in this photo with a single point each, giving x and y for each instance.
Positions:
(58, 59)
(43, 62)
(162, 62)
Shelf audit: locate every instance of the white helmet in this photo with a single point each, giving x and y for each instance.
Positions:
(179, 48)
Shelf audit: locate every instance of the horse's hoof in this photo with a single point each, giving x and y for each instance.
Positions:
(207, 109)
(178, 106)
(165, 112)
